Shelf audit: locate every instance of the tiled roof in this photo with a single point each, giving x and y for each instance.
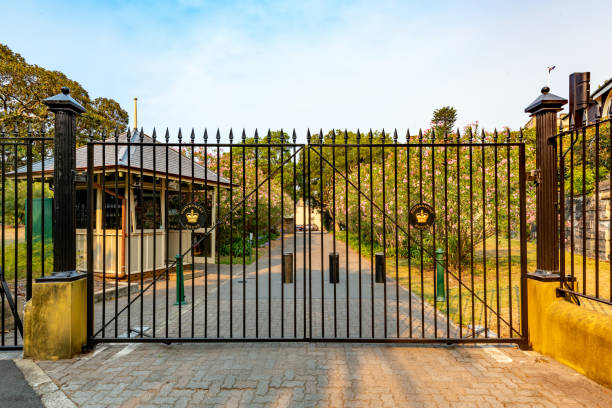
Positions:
(132, 160)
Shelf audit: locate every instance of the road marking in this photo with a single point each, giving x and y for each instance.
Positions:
(497, 354)
(123, 352)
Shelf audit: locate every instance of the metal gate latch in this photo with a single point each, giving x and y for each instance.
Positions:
(79, 177)
(535, 176)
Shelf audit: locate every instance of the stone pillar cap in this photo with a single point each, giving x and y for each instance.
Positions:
(546, 102)
(64, 102)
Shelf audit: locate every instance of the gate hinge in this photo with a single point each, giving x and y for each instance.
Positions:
(79, 177)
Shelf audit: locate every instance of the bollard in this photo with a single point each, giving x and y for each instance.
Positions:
(287, 267)
(380, 267)
(180, 283)
(334, 264)
(440, 292)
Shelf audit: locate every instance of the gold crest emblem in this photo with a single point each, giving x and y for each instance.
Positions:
(193, 216)
(421, 216)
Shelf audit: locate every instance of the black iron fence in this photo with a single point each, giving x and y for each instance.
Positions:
(349, 237)
(585, 211)
(25, 239)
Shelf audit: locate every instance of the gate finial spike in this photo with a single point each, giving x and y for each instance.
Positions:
(154, 135)
(471, 135)
(507, 135)
(370, 135)
(205, 136)
(458, 135)
(192, 137)
(333, 136)
(521, 135)
(294, 136)
(256, 136)
(180, 135)
(321, 135)
(407, 135)
(358, 135)
(129, 135)
(91, 138)
(420, 136)
(269, 136)
(382, 138)
(231, 135)
(141, 134)
(395, 136)
(483, 136)
(345, 136)
(433, 134)
(167, 136)
(495, 135)
(218, 136)
(282, 136)
(243, 135)
(308, 135)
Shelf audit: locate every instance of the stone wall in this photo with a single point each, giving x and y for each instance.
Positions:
(590, 216)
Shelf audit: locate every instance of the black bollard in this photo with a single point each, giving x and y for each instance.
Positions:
(334, 264)
(380, 267)
(287, 271)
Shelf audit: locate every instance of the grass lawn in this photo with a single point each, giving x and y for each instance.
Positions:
(500, 279)
(9, 259)
(502, 299)
(237, 260)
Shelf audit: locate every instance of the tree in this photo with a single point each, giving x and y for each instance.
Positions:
(444, 119)
(263, 209)
(24, 86)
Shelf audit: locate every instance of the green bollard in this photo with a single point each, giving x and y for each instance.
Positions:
(180, 282)
(440, 292)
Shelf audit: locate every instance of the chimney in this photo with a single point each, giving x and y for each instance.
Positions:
(135, 113)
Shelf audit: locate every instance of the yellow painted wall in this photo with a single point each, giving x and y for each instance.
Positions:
(55, 320)
(301, 211)
(573, 335)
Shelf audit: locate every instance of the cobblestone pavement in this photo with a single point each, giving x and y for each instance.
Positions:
(320, 375)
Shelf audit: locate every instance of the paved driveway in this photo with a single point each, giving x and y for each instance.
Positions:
(253, 302)
(297, 374)
(320, 375)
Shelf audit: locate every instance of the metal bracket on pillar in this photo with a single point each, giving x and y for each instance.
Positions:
(79, 177)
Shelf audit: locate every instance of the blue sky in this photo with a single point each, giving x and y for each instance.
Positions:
(317, 64)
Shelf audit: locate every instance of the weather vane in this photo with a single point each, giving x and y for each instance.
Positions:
(548, 70)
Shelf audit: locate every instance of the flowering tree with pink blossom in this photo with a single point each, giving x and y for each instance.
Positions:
(472, 201)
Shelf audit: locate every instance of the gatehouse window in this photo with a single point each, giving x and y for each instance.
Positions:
(147, 207)
(112, 211)
(80, 205)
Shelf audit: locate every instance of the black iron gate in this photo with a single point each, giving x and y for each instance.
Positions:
(25, 244)
(348, 237)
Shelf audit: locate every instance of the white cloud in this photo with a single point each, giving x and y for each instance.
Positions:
(365, 65)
